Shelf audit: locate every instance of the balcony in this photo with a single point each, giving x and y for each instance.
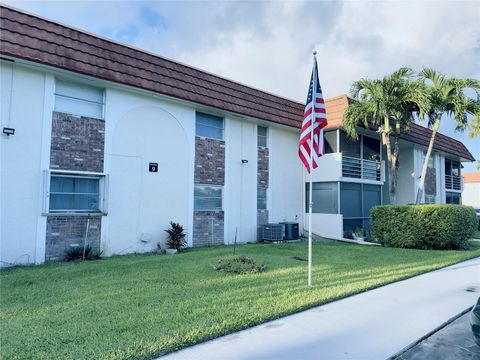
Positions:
(361, 169)
(335, 167)
(453, 182)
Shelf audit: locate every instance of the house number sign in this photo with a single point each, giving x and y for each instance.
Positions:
(153, 167)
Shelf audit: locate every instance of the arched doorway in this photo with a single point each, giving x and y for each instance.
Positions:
(142, 202)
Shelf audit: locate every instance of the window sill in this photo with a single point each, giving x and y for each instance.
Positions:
(209, 138)
(94, 214)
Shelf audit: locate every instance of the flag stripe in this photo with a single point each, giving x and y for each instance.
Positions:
(314, 117)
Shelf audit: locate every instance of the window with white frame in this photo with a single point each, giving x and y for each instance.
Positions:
(209, 126)
(207, 197)
(72, 193)
(79, 99)
(261, 136)
(261, 199)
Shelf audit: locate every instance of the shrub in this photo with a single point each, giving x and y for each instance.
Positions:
(239, 265)
(423, 226)
(76, 253)
(176, 236)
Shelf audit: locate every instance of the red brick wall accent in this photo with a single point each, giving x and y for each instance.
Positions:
(262, 172)
(209, 161)
(208, 228)
(262, 218)
(64, 232)
(209, 169)
(77, 143)
(262, 182)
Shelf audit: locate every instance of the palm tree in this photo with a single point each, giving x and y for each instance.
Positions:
(396, 98)
(447, 97)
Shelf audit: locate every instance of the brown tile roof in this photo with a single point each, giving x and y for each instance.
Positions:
(421, 135)
(335, 108)
(418, 134)
(32, 38)
(471, 177)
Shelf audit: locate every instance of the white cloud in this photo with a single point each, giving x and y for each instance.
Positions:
(361, 40)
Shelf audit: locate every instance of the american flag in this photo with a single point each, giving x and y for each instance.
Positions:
(313, 115)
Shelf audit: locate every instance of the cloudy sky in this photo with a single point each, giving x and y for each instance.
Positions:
(268, 45)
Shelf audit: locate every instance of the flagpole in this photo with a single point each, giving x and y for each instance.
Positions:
(310, 202)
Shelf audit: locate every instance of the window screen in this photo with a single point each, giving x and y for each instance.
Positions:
(349, 147)
(349, 225)
(330, 142)
(78, 99)
(371, 148)
(356, 201)
(452, 167)
(371, 198)
(74, 194)
(448, 167)
(207, 197)
(455, 168)
(262, 136)
(351, 199)
(453, 198)
(209, 126)
(261, 199)
(324, 197)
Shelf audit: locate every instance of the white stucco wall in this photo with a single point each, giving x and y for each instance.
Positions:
(240, 192)
(141, 129)
(329, 168)
(287, 185)
(327, 225)
(22, 108)
(471, 194)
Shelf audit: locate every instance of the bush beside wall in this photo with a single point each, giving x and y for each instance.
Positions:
(423, 226)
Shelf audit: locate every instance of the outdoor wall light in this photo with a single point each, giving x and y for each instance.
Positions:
(244, 161)
(8, 131)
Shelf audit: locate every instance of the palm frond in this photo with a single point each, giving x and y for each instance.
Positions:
(437, 79)
(396, 96)
(474, 125)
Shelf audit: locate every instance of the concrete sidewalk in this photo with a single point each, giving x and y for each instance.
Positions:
(372, 325)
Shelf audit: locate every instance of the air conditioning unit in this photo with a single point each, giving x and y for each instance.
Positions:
(272, 232)
(291, 230)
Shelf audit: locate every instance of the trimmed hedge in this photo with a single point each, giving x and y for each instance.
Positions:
(423, 226)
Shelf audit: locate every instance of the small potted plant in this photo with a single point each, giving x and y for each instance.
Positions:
(359, 234)
(176, 238)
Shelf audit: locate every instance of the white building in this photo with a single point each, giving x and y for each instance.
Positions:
(471, 189)
(106, 144)
(357, 175)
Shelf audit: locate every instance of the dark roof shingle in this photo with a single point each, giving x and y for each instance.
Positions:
(35, 39)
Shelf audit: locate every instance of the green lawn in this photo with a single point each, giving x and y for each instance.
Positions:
(476, 234)
(141, 306)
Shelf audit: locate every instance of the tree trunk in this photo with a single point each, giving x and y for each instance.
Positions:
(421, 185)
(391, 161)
(394, 165)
